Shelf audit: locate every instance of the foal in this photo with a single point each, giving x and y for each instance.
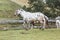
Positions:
(58, 22)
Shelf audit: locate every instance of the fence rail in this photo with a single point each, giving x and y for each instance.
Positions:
(10, 21)
(53, 21)
(18, 21)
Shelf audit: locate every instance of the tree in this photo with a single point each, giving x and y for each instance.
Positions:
(39, 6)
(53, 3)
(36, 5)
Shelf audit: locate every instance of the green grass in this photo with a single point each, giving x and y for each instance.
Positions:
(34, 34)
(7, 8)
(8, 5)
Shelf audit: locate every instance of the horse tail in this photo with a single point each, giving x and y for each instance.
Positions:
(46, 18)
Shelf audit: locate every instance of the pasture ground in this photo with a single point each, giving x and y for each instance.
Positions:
(33, 34)
(7, 8)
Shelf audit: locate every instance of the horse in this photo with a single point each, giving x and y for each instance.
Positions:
(58, 22)
(30, 17)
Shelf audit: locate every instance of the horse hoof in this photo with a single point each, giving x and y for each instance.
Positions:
(42, 29)
(26, 29)
(39, 28)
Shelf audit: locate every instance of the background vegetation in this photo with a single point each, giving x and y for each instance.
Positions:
(51, 8)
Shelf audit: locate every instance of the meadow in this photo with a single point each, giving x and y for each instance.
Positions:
(33, 34)
(7, 8)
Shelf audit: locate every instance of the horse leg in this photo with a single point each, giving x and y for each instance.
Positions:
(28, 25)
(41, 23)
(25, 25)
(44, 24)
(32, 24)
(41, 26)
(57, 24)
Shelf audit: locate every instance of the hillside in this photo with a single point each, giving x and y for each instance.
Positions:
(7, 8)
(21, 2)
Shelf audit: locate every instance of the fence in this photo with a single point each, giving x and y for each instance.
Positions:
(10, 21)
(20, 21)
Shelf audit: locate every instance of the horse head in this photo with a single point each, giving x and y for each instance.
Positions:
(18, 12)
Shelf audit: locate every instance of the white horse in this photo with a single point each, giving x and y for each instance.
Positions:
(58, 22)
(29, 17)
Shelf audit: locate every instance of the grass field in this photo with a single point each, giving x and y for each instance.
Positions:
(33, 34)
(8, 5)
(7, 8)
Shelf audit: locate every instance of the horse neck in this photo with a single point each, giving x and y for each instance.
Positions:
(23, 13)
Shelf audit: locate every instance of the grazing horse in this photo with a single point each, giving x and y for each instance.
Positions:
(58, 22)
(29, 18)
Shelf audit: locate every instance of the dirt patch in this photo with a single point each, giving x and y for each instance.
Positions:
(21, 2)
